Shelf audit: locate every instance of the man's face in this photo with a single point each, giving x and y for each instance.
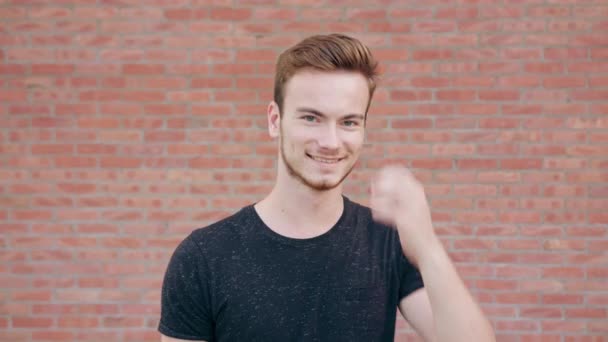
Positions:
(322, 129)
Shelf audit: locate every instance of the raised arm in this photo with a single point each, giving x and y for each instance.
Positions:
(398, 199)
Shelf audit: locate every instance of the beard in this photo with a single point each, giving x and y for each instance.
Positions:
(317, 185)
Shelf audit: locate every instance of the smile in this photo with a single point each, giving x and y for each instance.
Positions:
(325, 160)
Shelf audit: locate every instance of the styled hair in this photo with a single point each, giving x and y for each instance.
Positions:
(325, 53)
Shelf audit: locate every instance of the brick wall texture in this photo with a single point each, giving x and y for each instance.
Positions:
(125, 124)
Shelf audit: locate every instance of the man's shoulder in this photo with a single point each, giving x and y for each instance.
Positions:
(221, 231)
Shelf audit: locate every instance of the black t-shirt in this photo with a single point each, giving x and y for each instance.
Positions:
(238, 280)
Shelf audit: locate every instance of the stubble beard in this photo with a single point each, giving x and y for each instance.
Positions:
(317, 186)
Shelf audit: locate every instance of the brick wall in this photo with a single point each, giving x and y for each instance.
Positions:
(123, 127)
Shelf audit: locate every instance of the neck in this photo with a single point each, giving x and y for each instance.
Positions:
(295, 210)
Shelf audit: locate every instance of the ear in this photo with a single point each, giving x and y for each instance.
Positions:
(274, 119)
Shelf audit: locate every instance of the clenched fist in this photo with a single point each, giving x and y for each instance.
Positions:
(398, 200)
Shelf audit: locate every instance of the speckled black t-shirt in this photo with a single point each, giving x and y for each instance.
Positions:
(237, 280)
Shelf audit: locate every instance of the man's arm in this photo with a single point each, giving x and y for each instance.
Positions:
(417, 311)
(444, 310)
(164, 338)
(398, 199)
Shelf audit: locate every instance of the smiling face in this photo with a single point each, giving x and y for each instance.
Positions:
(322, 128)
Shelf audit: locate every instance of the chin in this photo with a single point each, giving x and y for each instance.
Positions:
(324, 185)
(324, 182)
(317, 181)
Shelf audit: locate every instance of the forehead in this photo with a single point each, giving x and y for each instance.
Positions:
(333, 93)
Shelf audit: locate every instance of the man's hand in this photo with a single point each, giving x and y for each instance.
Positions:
(398, 200)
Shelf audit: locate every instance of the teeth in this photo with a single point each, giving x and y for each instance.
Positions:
(323, 160)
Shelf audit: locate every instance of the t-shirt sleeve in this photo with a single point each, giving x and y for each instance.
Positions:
(409, 276)
(185, 304)
(411, 279)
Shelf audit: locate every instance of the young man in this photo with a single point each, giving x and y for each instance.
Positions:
(306, 263)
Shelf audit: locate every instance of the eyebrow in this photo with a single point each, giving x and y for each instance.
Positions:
(318, 113)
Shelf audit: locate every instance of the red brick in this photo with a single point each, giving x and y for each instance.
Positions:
(143, 69)
(12, 95)
(13, 12)
(143, 335)
(78, 322)
(496, 204)
(109, 95)
(498, 123)
(588, 67)
(430, 82)
(231, 14)
(599, 273)
(457, 67)
(588, 39)
(499, 95)
(365, 14)
(31, 322)
(121, 242)
(490, 284)
(517, 298)
(499, 68)
(599, 218)
(564, 82)
(563, 272)
(516, 325)
(528, 163)
(455, 95)
(570, 25)
(32, 295)
(212, 83)
(586, 231)
(122, 322)
(519, 81)
(164, 136)
(96, 335)
(52, 335)
(12, 69)
(411, 123)
(29, 109)
(179, 14)
(527, 26)
(519, 244)
(598, 52)
(436, 54)
(587, 313)
(61, 69)
(498, 177)
(92, 12)
(589, 95)
(51, 255)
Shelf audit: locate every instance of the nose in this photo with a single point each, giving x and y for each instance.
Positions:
(328, 138)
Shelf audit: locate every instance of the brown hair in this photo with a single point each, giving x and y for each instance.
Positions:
(325, 53)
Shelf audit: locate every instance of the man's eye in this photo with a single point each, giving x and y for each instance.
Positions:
(350, 123)
(309, 118)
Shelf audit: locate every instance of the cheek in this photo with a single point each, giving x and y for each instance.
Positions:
(300, 137)
(293, 142)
